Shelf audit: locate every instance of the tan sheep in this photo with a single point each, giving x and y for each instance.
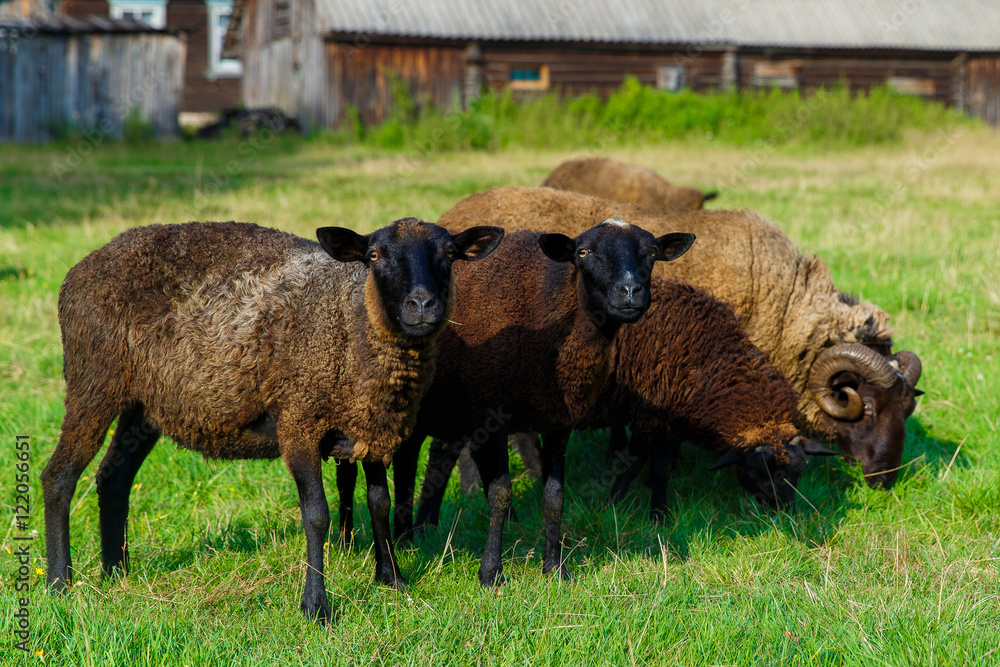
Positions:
(835, 350)
(610, 179)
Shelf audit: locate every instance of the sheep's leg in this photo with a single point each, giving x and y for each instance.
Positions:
(661, 462)
(553, 471)
(404, 474)
(305, 465)
(617, 442)
(81, 436)
(347, 478)
(468, 475)
(628, 468)
(491, 459)
(526, 444)
(386, 569)
(440, 462)
(134, 438)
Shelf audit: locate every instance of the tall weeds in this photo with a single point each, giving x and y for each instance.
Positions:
(636, 114)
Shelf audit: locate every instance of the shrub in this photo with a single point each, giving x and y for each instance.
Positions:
(636, 114)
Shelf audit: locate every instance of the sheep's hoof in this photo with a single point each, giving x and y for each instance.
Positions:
(492, 579)
(558, 571)
(318, 611)
(659, 517)
(404, 540)
(58, 586)
(395, 581)
(347, 540)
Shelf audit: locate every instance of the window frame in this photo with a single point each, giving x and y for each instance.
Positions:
(158, 8)
(219, 67)
(542, 83)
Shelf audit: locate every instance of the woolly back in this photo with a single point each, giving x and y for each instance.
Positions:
(689, 357)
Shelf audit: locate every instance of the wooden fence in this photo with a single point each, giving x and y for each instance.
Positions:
(64, 75)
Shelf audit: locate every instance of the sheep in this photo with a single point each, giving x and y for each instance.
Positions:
(536, 359)
(242, 342)
(610, 179)
(687, 370)
(835, 350)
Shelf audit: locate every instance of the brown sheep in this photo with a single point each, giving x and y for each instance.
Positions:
(530, 350)
(688, 371)
(242, 342)
(836, 351)
(619, 181)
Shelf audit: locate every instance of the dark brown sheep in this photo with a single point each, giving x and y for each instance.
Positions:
(688, 371)
(242, 342)
(530, 350)
(619, 181)
(835, 350)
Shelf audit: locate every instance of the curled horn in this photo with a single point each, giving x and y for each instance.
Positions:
(909, 366)
(860, 359)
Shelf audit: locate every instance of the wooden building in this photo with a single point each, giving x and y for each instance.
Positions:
(60, 73)
(313, 58)
(211, 82)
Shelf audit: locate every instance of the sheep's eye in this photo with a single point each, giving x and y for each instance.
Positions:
(869, 409)
(652, 251)
(373, 255)
(449, 253)
(582, 252)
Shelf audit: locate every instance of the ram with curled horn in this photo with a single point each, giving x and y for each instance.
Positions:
(834, 349)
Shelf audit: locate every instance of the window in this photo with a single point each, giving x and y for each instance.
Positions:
(669, 78)
(784, 75)
(219, 12)
(153, 12)
(529, 77)
(912, 85)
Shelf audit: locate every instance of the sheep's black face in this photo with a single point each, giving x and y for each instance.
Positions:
(615, 263)
(876, 438)
(410, 263)
(771, 483)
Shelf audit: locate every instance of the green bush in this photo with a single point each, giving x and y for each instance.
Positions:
(636, 114)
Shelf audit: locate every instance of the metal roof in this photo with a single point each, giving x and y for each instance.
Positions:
(950, 25)
(68, 25)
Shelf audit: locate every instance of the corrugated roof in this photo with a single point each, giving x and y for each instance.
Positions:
(68, 25)
(951, 25)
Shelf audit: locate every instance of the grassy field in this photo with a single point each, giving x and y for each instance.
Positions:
(854, 577)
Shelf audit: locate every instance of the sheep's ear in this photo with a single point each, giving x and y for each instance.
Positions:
(558, 247)
(477, 242)
(344, 245)
(729, 458)
(672, 246)
(815, 449)
(709, 196)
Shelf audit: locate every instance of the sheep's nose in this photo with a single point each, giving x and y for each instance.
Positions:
(629, 290)
(420, 300)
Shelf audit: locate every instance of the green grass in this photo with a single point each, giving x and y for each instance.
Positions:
(854, 577)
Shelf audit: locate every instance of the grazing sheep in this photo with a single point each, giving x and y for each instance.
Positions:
(835, 350)
(535, 360)
(688, 371)
(242, 342)
(619, 181)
